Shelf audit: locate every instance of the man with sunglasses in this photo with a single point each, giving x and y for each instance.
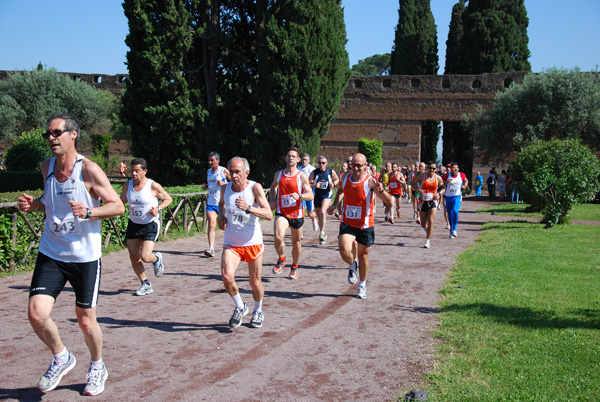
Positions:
(357, 230)
(289, 188)
(70, 249)
(323, 180)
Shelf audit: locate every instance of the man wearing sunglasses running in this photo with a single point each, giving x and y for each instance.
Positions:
(357, 230)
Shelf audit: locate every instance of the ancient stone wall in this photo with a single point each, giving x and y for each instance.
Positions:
(391, 108)
(105, 82)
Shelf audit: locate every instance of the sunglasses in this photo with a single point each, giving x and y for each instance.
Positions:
(322, 163)
(55, 133)
(358, 165)
(432, 168)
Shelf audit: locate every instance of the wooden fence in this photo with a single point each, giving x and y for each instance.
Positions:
(186, 222)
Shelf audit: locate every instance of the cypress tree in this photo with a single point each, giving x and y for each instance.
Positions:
(415, 52)
(485, 36)
(241, 77)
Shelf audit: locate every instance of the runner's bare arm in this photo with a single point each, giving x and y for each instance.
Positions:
(225, 175)
(162, 195)
(273, 192)
(99, 187)
(124, 190)
(335, 178)
(307, 194)
(339, 196)
(379, 190)
(264, 209)
(222, 220)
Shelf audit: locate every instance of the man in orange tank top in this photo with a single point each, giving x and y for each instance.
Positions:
(430, 193)
(357, 233)
(289, 188)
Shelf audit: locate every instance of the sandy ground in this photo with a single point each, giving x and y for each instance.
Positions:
(319, 342)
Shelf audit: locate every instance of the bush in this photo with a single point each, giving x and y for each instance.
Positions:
(27, 152)
(372, 149)
(21, 181)
(555, 175)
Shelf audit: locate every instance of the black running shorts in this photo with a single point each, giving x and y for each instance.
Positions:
(50, 277)
(294, 223)
(148, 231)
(366, 236)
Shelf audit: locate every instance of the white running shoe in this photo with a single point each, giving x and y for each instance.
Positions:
(95, 380)
(454, 234)
(209, 252)
(352, 277)
(362, 292)
(426, 245)
(159, 268)
(55, 372)
(315, 225)
(145, 289)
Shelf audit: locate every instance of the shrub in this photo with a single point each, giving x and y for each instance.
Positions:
(557, 174)
(28, 151)
(372, 149)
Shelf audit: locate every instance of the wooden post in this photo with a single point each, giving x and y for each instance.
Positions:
(13, 238)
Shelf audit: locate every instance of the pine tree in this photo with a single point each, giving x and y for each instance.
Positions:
(415, 52)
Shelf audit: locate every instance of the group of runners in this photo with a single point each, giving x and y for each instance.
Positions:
(70, 248)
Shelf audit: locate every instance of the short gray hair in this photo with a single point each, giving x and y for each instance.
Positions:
(239, 158)
(321, 158)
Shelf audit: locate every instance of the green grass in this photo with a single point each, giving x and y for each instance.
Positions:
(520, 317)
(588, 212)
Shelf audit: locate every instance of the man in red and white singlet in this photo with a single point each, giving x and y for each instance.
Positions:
(289, 188)
(358, 192)
(241, 205)
(395, 182)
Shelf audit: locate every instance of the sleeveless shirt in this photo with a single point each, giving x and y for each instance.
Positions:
(214, 190)
(286, 204)
(68, 238)
(359, 203)
(242, 229)
(141, 202)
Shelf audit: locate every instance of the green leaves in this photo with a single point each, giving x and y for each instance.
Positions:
(555, 175)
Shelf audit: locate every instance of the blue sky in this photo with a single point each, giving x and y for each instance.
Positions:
(87, 36)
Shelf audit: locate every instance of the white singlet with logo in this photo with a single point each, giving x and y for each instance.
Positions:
(214, 190)
(242, 229)
(67, 238)
(141, 203)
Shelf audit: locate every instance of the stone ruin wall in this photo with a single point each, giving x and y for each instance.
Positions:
(391, 108)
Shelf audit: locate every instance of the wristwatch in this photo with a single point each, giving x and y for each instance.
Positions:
(248, 210)
(88, 215)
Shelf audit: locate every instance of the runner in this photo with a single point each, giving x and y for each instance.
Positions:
(430, 191)
(455, 183)
(396, 181)
(216, 177)
(122, 168)
(289, 188)
(323, 180)
(357, 232)
(144, 224)
(241, 205)
(385, 179)
(415, 188)
(70, 249)
(307, 169)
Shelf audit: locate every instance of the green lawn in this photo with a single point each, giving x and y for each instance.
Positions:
(589, 212)
(520, 317)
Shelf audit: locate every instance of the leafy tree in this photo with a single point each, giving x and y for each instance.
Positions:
(28, 98)
(27, 152)
(378, 64)
(239, 76)
(371, 149)
(555, 104)
(485, 36)
(557, 174)
(415, 52)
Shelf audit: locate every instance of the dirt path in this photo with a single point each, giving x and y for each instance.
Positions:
(318, 342)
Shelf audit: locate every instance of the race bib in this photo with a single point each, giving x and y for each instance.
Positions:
(353, 212)
(213, 191)
(135, 210)
(68, 226)
(393, 184)
(426, 196)
(323, 185)
(239, 217)
(287, 201)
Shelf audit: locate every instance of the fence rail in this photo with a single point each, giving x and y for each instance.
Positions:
(186, 223)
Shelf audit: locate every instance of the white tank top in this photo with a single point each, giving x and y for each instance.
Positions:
(454, 187)
(242, 229)
(214, 190)
(141, 202)
(67, 238)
